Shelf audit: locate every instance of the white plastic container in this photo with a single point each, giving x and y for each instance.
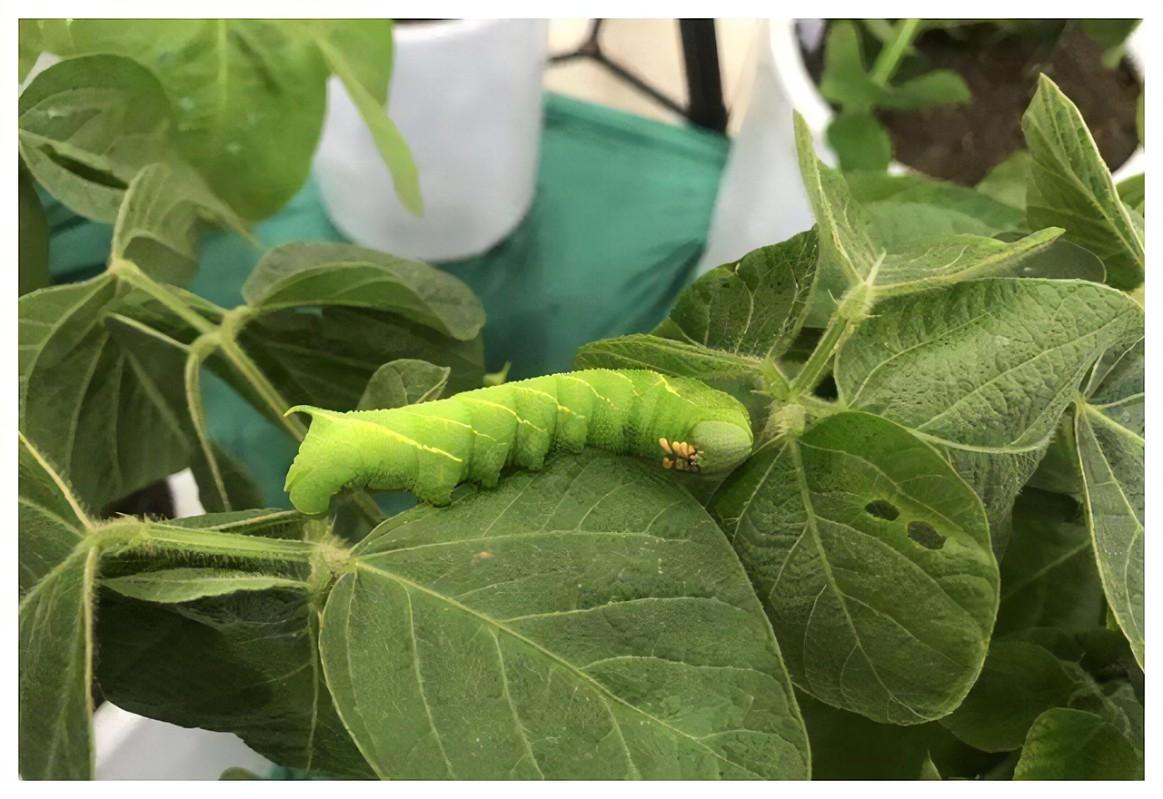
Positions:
(761, 197)
(467, 96)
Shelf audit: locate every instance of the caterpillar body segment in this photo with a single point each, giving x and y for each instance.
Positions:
(432, 447)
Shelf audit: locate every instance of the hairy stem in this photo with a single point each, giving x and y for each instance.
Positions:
(839, 329)
(136, 536)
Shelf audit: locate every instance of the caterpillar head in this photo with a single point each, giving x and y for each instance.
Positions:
(715, 446)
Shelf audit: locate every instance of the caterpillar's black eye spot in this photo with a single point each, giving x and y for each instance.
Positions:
(882, 509)
(926, 535)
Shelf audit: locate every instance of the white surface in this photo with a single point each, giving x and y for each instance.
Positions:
(131, 747)
(466, 95)
(761, 197)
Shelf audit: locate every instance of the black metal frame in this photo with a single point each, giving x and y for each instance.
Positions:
(700, 52)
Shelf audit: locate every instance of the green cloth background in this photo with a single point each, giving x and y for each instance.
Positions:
(619, 221)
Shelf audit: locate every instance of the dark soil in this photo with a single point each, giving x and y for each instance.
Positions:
(962, 143)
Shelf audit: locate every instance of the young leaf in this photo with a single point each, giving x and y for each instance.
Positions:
(1070, 186)
(100, 412)
(330, 36)
(846, 81)
(1068, 744)
(404, 381)
(1133, 191)
(1018, 682)
(860, 142)
(1007, 181)
(584, 621)
(169, 586)
(249, 97)
(1109, 429)
(754, 306)
(157, 225)
(1048, 576)
(323, 274)
(87, 125)
(57, 571)
(873, 560)
(937, 87)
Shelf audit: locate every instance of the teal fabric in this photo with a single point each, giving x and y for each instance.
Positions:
(620, 218)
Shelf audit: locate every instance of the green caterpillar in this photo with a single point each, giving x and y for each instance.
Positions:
(430, 448)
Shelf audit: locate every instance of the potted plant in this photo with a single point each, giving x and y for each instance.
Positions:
(936, 96)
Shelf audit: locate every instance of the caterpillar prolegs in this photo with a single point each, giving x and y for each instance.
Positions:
(432, 447)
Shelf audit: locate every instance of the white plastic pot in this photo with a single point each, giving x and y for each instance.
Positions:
(466, 94)
(761, 197)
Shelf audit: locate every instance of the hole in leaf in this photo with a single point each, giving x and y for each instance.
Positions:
(84, 171)
(882, 509)
(926, 535)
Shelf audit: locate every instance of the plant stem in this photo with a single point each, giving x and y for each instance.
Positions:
(134, 535)
(836, 333)
(131, 274)
(893, 53)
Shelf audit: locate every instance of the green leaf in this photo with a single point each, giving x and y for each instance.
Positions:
(1048, 576)
(1017, 684)
(29, 45)
(351, 68)
(846, 81)
(366, 46)
(754, 306)
(586, 621)
(158, 223)
(984, 369)
(103, 414)
(326, 359)
(1133, 191)
(33, 237)
(860, 142)
(87, 125)
(1111, 35)
(1067, 744)
(168, 586)
(244, 662)
(321, 274)
(248, 95)
(405, 381)
(907, 210)
(57, 570)
(1070, 186)
(1061, 259)
(851, 255)
(873, 560)
(1007, 181)
(1109, 429)
(746, 378)
(934, 88)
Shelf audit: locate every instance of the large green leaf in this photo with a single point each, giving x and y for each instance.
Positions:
(1018, 683)
(328, 274)
(248, 96)
(327, 358)
(106, 416)
(754, 306)
(1068, 744)
(1108, 434)
(243, 662)
(1048, 576)
(87, 125)
(1070, 186)
(57, 572)
(586, 621)
(873, 560)
(984, 369)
